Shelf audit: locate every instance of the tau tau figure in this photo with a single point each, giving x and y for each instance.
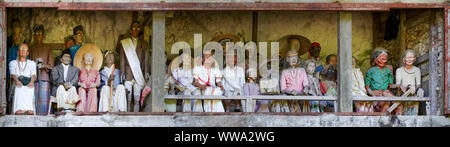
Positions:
(89, 60)
(408, 79)
(292, 81)
(65, 77)
(313, 89)
(112, 95)
(379, 79)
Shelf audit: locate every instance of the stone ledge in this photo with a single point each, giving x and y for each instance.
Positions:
(230, 120)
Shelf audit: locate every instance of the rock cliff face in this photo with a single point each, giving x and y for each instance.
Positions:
(101, 27)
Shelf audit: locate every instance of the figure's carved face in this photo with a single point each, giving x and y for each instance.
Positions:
(109, 59)
(66, 59)
(23, 50)
(230, 60)
(333, 61)
(409, 59)
(78, 37)
(135, 30)
(88, 59)
(315, 51)
(292, 60)
(209, 61)
(381, 60)
(39, 36)
(311, 68)
(17, 37)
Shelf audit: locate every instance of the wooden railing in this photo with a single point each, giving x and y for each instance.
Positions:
(250, 100)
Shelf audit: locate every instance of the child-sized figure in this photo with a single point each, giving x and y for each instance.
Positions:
(313, 89)
(292, 81)
(379, 79)
(408, 79)
(252, 88)
(329, 80)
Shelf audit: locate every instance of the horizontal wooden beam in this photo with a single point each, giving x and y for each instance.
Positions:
(409, 99)
(226, 113)
(151, 6)
(258, 97)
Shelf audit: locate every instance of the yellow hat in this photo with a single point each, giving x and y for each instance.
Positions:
(88, 48)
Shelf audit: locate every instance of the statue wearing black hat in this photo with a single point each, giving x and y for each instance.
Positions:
(78, 38)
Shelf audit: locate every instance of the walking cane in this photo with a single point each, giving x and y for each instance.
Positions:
(111, 88)
(39, 62)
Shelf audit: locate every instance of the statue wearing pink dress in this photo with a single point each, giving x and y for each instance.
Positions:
(89, 80)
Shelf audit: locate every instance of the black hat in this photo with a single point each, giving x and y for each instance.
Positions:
(38, 27)
(77, 28)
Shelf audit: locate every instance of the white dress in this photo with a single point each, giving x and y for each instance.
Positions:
(23, 96)
(184, 78)
(233, 81)
(208, 77)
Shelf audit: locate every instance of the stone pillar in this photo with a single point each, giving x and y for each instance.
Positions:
(344, 62)
(158, 61)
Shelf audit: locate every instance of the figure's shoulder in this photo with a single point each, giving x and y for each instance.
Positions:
(31, 62)
(13, 62)
(372, 69)
(75, 68)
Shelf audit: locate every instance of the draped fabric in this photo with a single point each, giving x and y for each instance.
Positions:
(42, 93)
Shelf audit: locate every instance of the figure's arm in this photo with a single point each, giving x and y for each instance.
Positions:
(146, 57)
(368, 82)
(219, 82)
(31, 84)
(12, 70)
(18, 83)
(390, 78)
(97, 80)
(74, 81)
(418, 75)
(283, 83)
(50, 62)
(33, 75)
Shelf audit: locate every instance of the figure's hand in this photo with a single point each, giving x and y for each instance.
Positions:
(19, 84)
(403, 88)
(370, 92)
(93, 86)
(147, 76)
(394, 86)
(221, 88)
(202, 87)
(122, 77)
(30, 85)
(82, 85)
(293, 92)
(111, 78)
(145, 92)
(420, 92)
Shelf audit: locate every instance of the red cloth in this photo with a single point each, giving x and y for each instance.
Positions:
(315, 44)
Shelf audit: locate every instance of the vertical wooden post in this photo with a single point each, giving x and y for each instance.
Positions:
(345, 62)
(158, 61)
(255, 26)
(3, 66)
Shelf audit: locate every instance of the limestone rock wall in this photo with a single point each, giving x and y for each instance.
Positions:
(101, 27)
